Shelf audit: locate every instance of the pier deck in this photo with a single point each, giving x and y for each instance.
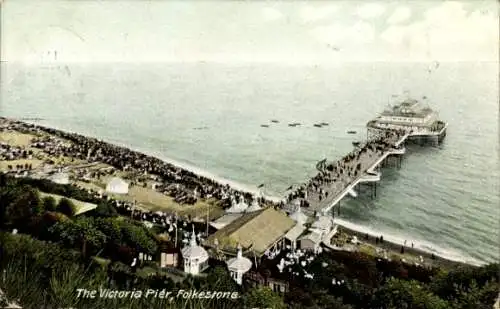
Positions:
(337, 190)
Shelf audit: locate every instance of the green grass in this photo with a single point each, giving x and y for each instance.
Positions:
(80, 207)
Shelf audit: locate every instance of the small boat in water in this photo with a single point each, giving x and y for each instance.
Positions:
(324, 123)
(356, 144)
(294, 124)
(351, 132)
(317, 125)
(32, 119)
(274, 121)
(264, 125)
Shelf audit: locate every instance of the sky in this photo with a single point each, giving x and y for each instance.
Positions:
(258, 31)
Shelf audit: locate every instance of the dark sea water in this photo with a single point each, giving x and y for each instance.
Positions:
(444, 199)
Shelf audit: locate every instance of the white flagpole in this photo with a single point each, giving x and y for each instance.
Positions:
(208, 216)
(176, 231)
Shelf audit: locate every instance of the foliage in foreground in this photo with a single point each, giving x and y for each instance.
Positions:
(48, 272)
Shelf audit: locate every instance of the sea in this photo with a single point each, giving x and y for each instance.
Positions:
(207, 117)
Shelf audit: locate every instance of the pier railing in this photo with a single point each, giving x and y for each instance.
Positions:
(366, 174)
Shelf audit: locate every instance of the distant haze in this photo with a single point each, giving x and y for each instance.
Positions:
(233, 31)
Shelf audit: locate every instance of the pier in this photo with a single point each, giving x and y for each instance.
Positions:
(342, 178)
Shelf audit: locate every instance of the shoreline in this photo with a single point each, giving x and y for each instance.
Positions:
(391, 242)
(439, 259)
(182, 165)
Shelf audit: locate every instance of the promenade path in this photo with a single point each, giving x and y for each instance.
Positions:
(341, 183)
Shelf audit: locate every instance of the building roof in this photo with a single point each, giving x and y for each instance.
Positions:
(295, 232)
(408, 108)
(117, 185)
(194, 251)
(258, 230)
(117, 181)
(225, 220)
(324, 223)
(60, 178)
(313, 236)
(239, 263)
(84, 207)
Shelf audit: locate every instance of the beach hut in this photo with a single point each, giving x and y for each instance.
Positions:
(239, 266)
(117, 186)
(293, 235)
(311, 241)
(60, 178)
(195, 258)
(169, 257)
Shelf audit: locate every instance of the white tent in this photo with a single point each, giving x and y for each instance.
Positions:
(254, 207)
(117, 186)
(237, 208)
(60, 178)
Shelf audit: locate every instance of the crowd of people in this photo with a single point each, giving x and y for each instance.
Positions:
(13, 153)
(187, 187)
(181, 184)
(335, 177)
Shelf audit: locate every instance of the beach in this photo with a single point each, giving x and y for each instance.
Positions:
(153, 201)
(440, 195)
(411, 255)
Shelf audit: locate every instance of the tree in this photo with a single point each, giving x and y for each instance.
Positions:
(105, 210)
(407, 294)
(263, 297)
(324, 300)
(445, 284)
(65, 232)
(81, 234)
(111, 228)
(91, 239)
(469, 298)
(25, 204)
(138, 238)
(66, 207)
(218, 279)
(49, 203)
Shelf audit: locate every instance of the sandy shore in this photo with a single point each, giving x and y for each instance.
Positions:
(394, 248)
(410, 255)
